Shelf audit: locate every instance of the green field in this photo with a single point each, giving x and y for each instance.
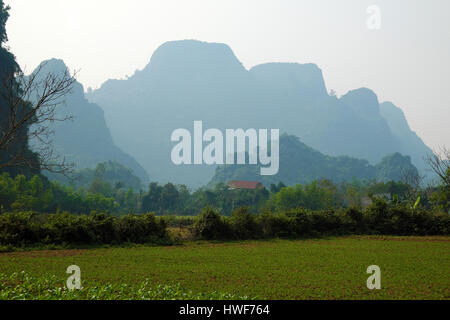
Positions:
(335, 268)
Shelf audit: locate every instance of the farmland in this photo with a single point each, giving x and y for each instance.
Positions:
(327, 268)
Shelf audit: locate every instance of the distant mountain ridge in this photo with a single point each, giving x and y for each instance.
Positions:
(300, 164)
(115, 174)
(191, 80)
(85, 140)
(409, 142)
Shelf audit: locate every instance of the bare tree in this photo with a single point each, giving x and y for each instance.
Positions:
(439, 163)
(415, 181)
(28, 106)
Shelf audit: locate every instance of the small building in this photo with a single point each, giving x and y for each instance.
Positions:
(246, 185)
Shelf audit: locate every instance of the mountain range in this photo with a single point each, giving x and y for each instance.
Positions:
(191, 80)
(300, 164)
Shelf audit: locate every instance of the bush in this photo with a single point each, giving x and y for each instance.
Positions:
(18, 228)
(301, 222)
(400, 219)
(140, 229)
(276, 225)
(212, 226)
(353, 221)
(180, 221)
(25, 228)
(382, 218)
(326, 222)
(244, 225)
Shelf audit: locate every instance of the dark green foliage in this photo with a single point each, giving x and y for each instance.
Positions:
(4, 15)
(171, 199)
(140, 229)
(382, 218)
(275, 188)
(276, 225)
(37, 194)
(164, 199)
(152, 199)
(316, 209)
(180, 221)
(212, 226)
(441, 197)
(353, 221)
(40, 195)
(26, 228)
(15, 156)
(318, 195)
(400, 219)
(244, 225)
(401, 190)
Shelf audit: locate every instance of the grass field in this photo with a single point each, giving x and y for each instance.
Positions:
(335, 268)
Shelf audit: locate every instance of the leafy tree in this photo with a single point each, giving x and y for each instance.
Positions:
(318, 195)
(211, 225)
(169, 197)
(244, 224)
(395, 167)
(441, 197)
(151, 201)
(101, 187)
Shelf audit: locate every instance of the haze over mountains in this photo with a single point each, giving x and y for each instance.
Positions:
(300, 164)
(191, 80)
(85, 141)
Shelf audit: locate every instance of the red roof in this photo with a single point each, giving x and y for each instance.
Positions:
(245, 185)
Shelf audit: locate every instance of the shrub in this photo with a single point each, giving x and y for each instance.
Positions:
(243, 224)
(140, 229)
(301, 222)
(353, 220)
(400, 219)
(276, 225)
(382, 217)
(25, 228)
(180, 221)
(212, 226)
(326, 222)
(18, 229)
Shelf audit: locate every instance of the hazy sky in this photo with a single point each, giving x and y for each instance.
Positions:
(406, 61)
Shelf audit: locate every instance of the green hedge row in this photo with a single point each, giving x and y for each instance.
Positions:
(381, 218)
(25, 228)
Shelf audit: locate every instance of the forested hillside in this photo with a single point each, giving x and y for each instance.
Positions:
(300, 164)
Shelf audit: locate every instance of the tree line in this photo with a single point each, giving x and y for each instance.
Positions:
(40, 195)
